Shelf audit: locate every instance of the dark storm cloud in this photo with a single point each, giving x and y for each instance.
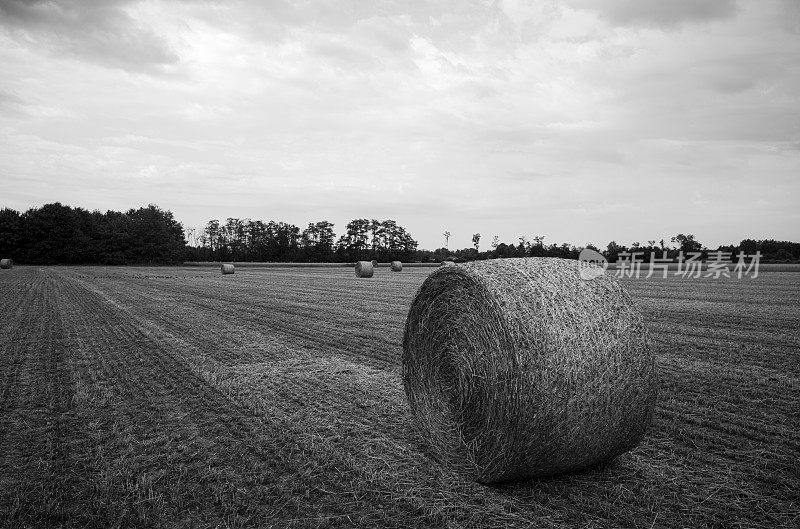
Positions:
(98, 31)
(662, 13)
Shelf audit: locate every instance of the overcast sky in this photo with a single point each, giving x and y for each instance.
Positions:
(631, 121)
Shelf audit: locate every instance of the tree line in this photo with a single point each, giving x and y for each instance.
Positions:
(256, 240)
(770, 250)
(60, 234)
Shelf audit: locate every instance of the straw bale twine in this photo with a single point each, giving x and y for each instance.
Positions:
(518, 368)
(364, 269)
(227, 268)
(397, 266)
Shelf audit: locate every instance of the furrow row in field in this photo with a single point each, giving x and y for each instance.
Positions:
(37, 404)
(714, 378)
(319, 394)
(774, 335)
(730, 432)
(713, 297)
(329, 387)
(745, 354)
(325, 419)
(330, 331)
(377, 290)
(169, 437)
(318, 297)
(325, 303)
(290, 329)
(18, 299)
(274, 396)
(778, 286)
(227, 318)
(375, 344)
(701, 490)
(757, 465)
(367, 430)
(22, 333)
(778, 409)
(23, 295)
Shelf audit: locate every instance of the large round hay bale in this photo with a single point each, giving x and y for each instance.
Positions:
(397, 266)
(227, 268)
(518, 368)
(364, 269)
(6, 264)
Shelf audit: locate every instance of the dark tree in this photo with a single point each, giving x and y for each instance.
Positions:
(10, 234)
(613, 250)
(59, 234)
(51, 235)
(687, 243)
(155, 236)
(317, 241)
(353, 244)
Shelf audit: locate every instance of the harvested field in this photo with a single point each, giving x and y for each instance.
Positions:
(176, 397)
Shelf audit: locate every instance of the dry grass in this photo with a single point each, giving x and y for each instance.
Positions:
(172, 397)
(518, 368)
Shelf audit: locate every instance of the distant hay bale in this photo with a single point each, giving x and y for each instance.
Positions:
(397, 266)
(447, 263)
(364, 269)
(518, 368)
(374, 263)
(227, 268)
(6, 264)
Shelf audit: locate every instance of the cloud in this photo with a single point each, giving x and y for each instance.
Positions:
(11, 104)
(491, 117)
(102, 32)
(660, 13)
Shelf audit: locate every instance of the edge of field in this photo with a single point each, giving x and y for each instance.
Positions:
(764, 267)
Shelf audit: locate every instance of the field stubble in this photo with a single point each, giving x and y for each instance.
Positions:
(181, 397)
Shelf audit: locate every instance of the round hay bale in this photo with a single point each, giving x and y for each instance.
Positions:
(518, 368)
(397, 266)
(227, 268)
(447, 263)
(364, 269)
(374, 263)
(6, 264)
